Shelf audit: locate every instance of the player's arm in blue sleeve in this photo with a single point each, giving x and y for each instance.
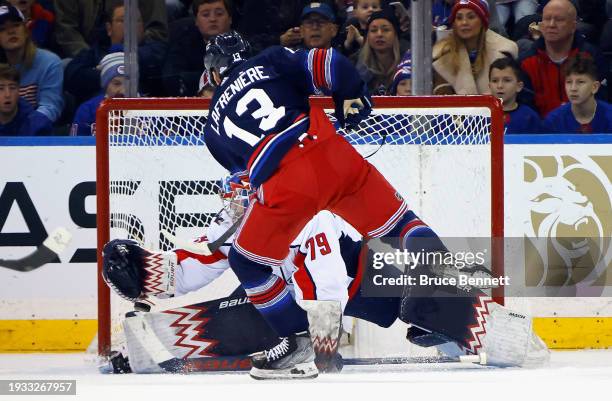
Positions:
(327, 72)
(321, 71)
(334, 74)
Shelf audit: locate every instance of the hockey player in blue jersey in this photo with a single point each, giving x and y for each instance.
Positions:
(260, 126)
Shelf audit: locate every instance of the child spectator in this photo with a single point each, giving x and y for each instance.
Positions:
(38, 20)
(112, 81)
(402, 80)
(17, 116)
(381, 53)
(40, 70)
(505, 82)
(462, 59)
(356, 28)
(583, 113)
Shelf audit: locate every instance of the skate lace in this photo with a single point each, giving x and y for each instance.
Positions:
(278, 351)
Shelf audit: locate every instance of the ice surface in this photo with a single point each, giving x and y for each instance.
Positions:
(571, 375)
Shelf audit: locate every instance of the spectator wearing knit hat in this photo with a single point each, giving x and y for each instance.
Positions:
(402, 80)
(112, 81)
(381, 52)
(462, 59)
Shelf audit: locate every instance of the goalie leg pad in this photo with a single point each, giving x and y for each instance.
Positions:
(325, 324)
(477, 324)
(509, 339)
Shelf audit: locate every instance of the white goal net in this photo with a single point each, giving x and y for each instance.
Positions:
(155, 173)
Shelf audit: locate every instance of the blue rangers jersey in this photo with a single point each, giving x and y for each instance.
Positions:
(261, 108)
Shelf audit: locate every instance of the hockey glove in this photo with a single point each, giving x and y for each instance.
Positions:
(135, 273)
(350, 112)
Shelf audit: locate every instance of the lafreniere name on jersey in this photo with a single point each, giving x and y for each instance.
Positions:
(245, 79)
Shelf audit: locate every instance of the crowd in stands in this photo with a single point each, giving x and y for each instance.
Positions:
(548, 60)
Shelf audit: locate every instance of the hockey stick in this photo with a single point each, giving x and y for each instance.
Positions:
(242, 363)
(202, 248)
(480, 359)
(51, 247)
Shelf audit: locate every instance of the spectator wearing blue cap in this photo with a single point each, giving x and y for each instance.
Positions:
(17, 116)
(40, 70)
(318, 26)
(112, 81)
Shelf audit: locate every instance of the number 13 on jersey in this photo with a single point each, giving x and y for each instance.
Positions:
(266, 112)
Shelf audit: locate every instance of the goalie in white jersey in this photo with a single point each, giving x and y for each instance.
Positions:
(314, 262)
(322, 265)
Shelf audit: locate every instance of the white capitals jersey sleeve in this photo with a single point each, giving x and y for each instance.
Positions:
(197, 271)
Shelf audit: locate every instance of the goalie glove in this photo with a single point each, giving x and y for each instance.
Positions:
(350, 112)
(135, 273)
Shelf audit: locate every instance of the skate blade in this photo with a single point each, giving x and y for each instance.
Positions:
(306, 370)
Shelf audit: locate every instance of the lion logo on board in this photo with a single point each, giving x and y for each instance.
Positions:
(568, 238)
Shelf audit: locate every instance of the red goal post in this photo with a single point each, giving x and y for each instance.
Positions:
(171, 123)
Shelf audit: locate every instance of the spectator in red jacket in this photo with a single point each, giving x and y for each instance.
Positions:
(544, 62)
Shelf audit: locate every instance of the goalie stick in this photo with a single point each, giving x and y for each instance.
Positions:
(51, 247)
(202, 248)
(242, 363)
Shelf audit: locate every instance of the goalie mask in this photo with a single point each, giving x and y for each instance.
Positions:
(135, 273)
(235, 195)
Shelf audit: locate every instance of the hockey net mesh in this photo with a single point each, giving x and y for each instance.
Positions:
(162, 177)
